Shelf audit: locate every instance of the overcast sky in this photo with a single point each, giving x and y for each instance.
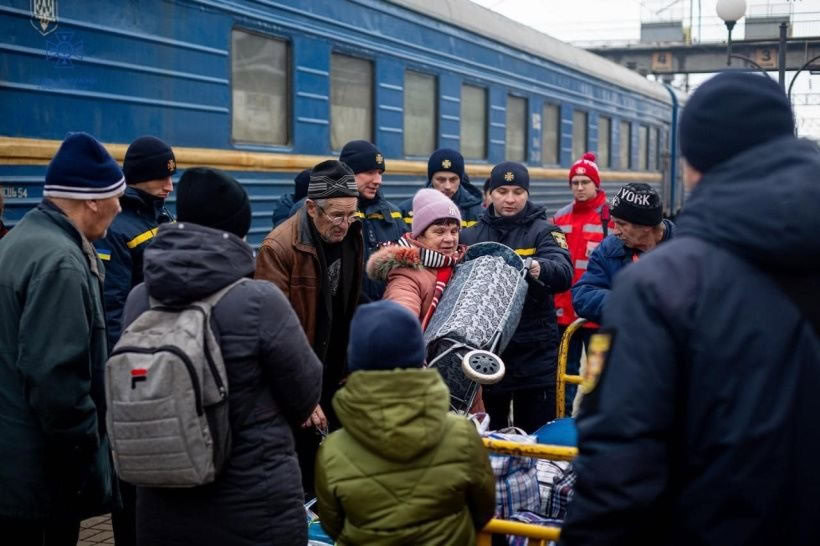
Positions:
(584, 22)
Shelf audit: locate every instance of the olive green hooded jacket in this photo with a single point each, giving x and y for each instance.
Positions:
(402, 470)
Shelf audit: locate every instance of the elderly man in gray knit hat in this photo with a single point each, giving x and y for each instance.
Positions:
(316, 258)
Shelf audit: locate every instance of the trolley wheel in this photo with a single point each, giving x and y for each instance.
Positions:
(483, 367)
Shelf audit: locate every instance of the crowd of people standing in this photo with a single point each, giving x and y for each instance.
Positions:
(329, 394)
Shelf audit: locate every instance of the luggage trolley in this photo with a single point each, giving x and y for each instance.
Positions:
(475, 319)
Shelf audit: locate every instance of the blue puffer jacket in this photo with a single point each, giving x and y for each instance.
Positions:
(121, 252)
(530, 356)
(468, 198)
(381, 223)
(703, 426)
(591, 292)
(282, 209)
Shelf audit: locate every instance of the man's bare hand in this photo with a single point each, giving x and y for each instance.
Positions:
(317, 419)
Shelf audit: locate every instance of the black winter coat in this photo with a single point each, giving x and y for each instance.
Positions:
(531, 355)
(121, 252)
(257, 499)
(703, 426)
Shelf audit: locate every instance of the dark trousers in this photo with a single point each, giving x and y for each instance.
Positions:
(307, 444)
(28, 533)
(532, 408)
(579, 341)
(124, 519)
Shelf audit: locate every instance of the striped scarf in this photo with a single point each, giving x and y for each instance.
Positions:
(444, 270)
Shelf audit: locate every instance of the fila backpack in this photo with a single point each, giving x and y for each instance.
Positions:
(167, 395)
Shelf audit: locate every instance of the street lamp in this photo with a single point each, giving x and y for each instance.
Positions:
(731, 11)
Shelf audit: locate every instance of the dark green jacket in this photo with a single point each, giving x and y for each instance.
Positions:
(402, 470)
(52, 355)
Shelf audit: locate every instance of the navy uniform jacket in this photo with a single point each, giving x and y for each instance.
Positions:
(703, 426)
(530, 235)
(121, 252)
(381, 223)
(592, 290)
(468, 198)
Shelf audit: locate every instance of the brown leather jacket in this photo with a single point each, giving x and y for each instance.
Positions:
(288, 258)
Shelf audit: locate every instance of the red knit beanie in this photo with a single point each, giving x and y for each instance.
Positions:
(586, 166)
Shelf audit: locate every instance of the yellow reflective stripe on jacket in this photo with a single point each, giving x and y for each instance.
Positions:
(141, 238)
(379, 215)
(104, 256)
(468, 223)
(525, 251)
(359, 214)
(408, 219)
(394, 214)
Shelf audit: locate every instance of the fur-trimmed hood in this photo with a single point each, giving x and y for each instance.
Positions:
(388, 258)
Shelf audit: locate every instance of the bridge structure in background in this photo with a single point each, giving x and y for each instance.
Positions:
(668, 59)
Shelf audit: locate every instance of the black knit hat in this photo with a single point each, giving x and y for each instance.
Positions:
(301, 185)
(148, 158)
(445, 159)
(510, 173)
(730, 113)
(362, 156)
(213, 198)
(637, 203)
(331, 179)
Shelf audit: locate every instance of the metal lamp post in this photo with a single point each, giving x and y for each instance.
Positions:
(731, 11)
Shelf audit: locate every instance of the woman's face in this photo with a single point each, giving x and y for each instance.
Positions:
(441, 237)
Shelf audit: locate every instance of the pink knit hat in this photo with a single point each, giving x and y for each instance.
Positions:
(430, 205)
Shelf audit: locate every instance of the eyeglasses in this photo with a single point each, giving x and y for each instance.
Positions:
(579, 183)
(338, 220)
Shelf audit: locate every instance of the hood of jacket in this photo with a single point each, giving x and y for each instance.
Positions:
(530, 213)
(762, 204)
(398, 413)
(186, 262)
(386, 259)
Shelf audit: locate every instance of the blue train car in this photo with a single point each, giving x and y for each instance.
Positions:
(265, 88)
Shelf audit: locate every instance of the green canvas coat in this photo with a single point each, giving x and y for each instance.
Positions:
(402, 470)
(53, 348)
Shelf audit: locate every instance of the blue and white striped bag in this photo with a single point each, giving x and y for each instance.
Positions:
(516, 478)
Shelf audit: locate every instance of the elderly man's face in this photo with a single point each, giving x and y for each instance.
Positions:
(632, 235)
(332, 217)
(99, 214)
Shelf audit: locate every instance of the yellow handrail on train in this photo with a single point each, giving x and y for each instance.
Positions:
(561, 376)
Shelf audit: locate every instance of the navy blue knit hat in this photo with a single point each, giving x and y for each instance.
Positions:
(362, 156)
(510, 173)
(213, 198)
(301, 185)
(83, 169)
(148, 158)
(730, 113)
(384, 335)
(445, 159)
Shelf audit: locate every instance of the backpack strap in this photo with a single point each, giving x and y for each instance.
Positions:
(804, 293)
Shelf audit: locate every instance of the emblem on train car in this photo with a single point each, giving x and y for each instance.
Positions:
(600, 345)
(44, 16)
(446, 164)
(509, 176)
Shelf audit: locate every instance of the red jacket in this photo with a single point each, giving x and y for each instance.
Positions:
(582, 224)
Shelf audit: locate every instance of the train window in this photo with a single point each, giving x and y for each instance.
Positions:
(351, 100)
(651, 149)
(260, 89)
(604, 141)
(643, 145)
(419, 114)
(473, 122)
(625, 141)
(551, 128)
(516, 129)
(579, 134)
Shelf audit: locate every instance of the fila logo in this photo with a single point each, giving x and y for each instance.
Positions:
(138, 375)
(632, 197)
